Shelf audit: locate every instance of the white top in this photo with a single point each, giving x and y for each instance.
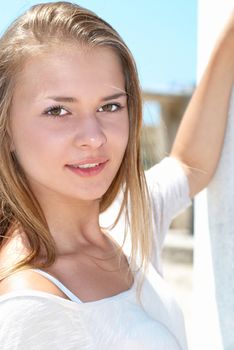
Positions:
(32, 319)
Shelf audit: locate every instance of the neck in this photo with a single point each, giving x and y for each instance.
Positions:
(73, 224)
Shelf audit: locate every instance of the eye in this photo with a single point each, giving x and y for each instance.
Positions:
(56, 111)
(110, 107)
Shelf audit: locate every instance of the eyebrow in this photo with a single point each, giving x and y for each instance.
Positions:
(73, 99)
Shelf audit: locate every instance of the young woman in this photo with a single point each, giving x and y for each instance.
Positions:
(70, 119)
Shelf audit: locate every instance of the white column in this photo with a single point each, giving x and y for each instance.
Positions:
(213, 311)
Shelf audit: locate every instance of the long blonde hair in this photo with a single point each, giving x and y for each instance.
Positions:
(40, 27)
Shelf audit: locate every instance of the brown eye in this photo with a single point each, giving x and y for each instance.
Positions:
(56, 111)
(110, 107)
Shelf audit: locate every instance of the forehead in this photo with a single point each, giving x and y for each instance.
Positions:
(67, 69)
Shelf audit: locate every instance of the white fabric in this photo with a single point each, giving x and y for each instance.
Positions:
(214, 252)
(32, 319)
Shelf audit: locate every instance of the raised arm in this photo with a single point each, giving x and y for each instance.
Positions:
(199, 140)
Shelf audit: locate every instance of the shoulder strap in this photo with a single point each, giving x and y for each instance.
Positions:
(61, 286)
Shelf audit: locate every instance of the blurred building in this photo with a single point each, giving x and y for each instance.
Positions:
(162, 116)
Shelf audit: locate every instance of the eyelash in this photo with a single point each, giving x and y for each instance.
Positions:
(53, 108)
(118, 105)
(60, 107)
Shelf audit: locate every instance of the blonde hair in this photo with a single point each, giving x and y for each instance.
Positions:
(41, 26)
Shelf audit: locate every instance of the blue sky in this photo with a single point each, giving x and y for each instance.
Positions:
(160, 33)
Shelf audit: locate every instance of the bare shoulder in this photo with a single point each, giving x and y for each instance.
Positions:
(11, 253)
(28, 279)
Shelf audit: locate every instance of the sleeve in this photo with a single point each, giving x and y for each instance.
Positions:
(29, 323)
(169, 192)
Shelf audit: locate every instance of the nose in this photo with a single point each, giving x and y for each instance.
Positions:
(89, 133)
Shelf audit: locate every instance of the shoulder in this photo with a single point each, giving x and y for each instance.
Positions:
(28, 280)
(167, 170)
(27, 312)
(31, 321)
(29, 302)
(168, 182)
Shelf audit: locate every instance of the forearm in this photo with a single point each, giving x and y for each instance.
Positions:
(199, 141)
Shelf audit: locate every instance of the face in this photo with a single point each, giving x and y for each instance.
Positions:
(69, 122)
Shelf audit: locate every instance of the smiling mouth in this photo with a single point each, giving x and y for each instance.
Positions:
(87, 169)
(86, 166)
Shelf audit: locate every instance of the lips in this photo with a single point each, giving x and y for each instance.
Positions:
(89, 162)
(88, 167)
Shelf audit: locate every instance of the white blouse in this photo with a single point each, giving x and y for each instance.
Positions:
(31, 319)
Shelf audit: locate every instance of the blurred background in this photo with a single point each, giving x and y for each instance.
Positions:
(162, 38)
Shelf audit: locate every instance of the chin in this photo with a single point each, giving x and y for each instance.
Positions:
(91, 197)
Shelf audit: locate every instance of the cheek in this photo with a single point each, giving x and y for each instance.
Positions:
(31, 146)
(125, 132)
(120, 132)
(121, 136)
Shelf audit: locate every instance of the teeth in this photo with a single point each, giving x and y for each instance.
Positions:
(85, 166)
